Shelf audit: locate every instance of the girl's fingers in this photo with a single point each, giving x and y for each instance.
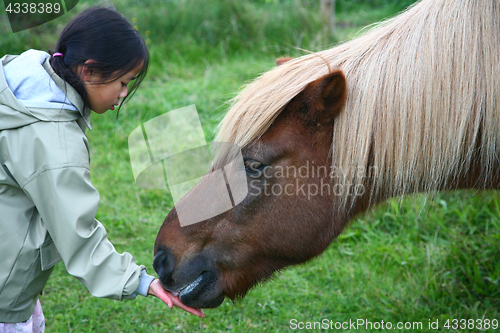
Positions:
(156, 289)
(179, 304)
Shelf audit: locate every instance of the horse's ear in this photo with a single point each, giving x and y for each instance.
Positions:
(325, 96)
(281, 61)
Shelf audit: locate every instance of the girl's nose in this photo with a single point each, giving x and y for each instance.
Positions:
(123, 92)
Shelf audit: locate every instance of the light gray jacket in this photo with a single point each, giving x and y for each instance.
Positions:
(47, 202)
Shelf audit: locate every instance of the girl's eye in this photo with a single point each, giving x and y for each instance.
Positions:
(124, 84)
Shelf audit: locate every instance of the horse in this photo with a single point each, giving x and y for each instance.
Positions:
(411, 105)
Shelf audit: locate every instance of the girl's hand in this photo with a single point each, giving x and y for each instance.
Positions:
(156, 289)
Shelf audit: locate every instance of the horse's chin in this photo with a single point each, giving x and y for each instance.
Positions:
(203, 292)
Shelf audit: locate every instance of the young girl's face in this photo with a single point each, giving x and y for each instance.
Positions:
(105, 96)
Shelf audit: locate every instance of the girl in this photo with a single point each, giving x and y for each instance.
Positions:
(47, 202)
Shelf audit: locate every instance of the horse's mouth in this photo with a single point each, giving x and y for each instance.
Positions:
(187, 288)
(202, 292)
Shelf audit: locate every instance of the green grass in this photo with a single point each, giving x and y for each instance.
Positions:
(424, 257)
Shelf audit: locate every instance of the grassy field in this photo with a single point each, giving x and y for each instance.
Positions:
(418, 260)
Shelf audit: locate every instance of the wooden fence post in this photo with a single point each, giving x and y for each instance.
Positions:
(328, 13)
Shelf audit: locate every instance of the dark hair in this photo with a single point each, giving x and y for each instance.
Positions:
(101, 34)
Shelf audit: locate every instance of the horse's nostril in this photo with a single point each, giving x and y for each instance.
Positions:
(163, 264)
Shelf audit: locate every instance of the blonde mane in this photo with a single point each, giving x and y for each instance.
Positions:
(423, 93)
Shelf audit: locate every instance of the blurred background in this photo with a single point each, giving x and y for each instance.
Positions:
(425, 257)
(196, 30)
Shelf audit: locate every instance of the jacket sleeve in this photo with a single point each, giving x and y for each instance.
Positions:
(67, 203)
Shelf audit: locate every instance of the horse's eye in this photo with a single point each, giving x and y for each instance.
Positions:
(253, 167)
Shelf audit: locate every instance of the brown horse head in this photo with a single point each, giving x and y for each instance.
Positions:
(285, 219)
(415, 119)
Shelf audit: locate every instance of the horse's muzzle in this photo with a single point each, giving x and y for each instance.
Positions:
(195, 283)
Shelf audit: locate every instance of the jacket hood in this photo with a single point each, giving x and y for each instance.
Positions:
(30, 91)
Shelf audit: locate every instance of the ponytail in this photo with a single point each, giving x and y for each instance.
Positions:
(69, 75)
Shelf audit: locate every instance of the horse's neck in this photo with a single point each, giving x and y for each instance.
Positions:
(478, 176)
